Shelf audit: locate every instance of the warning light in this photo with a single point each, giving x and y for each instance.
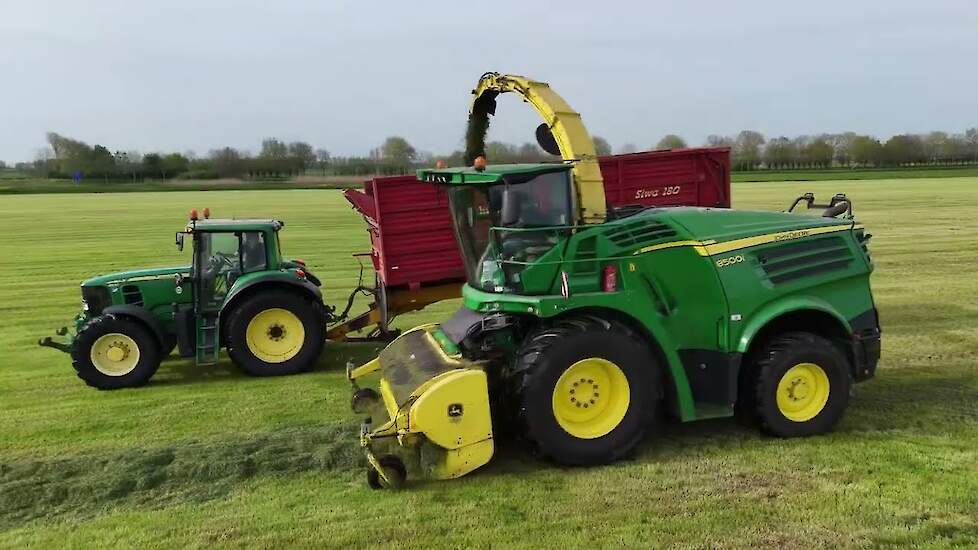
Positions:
(193, 214)
(479, 163)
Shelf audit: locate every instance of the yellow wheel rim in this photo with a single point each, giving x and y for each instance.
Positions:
(114, 354)
(275, 335)
(591, 398)
(803, 392)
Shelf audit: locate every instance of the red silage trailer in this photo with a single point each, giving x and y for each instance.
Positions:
(413, 248)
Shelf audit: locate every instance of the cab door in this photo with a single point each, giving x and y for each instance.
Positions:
(217, 263)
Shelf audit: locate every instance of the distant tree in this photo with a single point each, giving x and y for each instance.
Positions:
(799, 152)
(102, 162)
(842, 144)
(937, 147)
(396, 150)
(601, 146)
(780, 152)
(153, 165)
(671, 141)
(971, 138)
(3, 165)
(627, 148)
(866, 150)
(227, 162)
(904, 149)
(819, 152)
(272, 148)
(302, 154)
(530, 152)
(747, 149)
(498, 152)
(68, 155)
(173, 165)
(323, 159)
(714, 140)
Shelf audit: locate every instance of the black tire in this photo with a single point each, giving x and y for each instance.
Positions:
(395, 471)
(548, 353)
(771, 364)
(309, 314)
(147, 345)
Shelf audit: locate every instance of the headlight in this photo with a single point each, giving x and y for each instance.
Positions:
(84, 305)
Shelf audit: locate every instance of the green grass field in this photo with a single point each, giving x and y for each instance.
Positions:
(204, 457)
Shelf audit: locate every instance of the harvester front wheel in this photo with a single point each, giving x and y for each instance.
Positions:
(802, 385)
(274, 333)
(587, 389)
(113, 352)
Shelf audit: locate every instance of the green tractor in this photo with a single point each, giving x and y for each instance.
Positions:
(581, 325)
(238, 293)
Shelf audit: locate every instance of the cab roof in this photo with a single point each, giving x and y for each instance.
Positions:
(494, 173)
(235, 225)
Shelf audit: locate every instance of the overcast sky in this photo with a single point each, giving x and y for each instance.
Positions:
(179, 75)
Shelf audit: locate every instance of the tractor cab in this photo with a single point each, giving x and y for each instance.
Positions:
(224, 251)
(507, 217)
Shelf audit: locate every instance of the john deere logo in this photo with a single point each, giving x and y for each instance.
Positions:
(455, 410)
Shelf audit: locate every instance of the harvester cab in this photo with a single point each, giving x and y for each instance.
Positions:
(580, 324)
(238, 293)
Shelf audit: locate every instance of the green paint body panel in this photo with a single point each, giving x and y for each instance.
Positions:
(696, 279)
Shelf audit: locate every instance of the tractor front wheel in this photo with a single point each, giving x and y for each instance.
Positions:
(275, 333)
(587, 390)
(113, 352)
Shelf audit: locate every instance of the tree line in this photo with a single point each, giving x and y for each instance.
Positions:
(750, 150)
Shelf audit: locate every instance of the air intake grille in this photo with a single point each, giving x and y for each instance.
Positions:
(132, 295)
(640, 232)
(795, 261)
(586, 256)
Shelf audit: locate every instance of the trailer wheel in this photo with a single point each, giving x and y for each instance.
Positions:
(586, 390)
(802, 385)
(113, 352)
(274, 333)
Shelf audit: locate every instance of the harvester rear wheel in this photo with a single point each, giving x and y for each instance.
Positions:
(802, 385)
(274, 333)
(113, 352)
(586, 390)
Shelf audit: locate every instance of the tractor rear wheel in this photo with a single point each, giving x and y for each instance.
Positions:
(586, 390)
(275, 333)
(113, 352)
(802, 385)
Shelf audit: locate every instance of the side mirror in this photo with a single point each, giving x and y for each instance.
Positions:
(179, 241)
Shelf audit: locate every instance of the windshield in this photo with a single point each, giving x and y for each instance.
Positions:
(503, 227)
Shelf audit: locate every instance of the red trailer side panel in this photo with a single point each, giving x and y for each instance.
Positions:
(674, 177)
(411, 230)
